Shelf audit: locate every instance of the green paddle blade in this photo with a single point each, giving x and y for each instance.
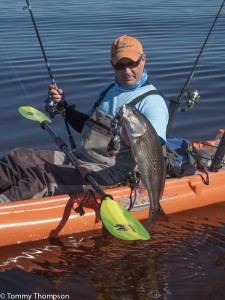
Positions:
(120, 222)
(33, 114)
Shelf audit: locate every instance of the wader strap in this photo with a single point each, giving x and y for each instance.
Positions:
(102, 96)
(141, 97)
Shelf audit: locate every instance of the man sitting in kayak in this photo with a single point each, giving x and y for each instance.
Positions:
(28, 173)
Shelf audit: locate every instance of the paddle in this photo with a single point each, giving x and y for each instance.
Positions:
(116, 218)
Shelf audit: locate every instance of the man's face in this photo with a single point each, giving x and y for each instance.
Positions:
(128, 72)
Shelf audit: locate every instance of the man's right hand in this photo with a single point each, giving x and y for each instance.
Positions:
(54, 94)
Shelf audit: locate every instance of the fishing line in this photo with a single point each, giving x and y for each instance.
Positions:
(16, 74)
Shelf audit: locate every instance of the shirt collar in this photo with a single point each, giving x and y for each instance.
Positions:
(144, 77)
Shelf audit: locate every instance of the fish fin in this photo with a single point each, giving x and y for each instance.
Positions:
(159, 215)
(133, 154)
(126, 139)
(141, 188)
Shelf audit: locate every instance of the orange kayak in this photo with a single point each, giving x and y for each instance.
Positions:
(50, 217)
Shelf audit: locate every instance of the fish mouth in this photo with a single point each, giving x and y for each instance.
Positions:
(126, 112)
(123, 111)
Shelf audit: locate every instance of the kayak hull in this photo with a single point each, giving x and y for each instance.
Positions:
(51, 217)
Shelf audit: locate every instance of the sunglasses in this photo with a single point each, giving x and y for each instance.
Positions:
(130, 64)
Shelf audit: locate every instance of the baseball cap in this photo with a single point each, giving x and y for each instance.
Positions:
(126, 46)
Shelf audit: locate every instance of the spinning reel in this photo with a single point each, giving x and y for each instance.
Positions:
(192, 97)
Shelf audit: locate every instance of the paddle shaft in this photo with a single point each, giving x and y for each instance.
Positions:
(114, 216)
(75, 162)
(173, 107)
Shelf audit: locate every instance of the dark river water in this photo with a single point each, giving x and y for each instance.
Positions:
(185, 259)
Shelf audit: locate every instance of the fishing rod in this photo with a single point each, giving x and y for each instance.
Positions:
(192, 97)
(219, 155)
(51, 107)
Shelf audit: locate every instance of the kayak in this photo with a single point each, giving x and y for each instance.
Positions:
(57, 216)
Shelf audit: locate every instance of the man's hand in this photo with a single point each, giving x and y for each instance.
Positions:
(54, 94)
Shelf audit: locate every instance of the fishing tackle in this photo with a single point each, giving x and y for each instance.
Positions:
(51, 107)
(192, 98)
(41, 44)
(173, 107)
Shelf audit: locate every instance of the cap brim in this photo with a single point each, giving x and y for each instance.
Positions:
(124, 54)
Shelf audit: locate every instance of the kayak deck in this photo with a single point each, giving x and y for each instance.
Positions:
(50, 217)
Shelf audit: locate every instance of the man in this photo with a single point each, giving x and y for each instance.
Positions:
(27, 173)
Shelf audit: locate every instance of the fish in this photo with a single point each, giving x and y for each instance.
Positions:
(138, 132)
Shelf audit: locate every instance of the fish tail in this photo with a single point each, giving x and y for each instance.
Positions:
(158, 214)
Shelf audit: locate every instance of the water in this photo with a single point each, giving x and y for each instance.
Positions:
(184, 259)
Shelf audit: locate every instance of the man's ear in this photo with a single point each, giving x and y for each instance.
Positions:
(144, 57)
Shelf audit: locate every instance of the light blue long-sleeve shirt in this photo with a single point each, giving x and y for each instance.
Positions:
(153, 107)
